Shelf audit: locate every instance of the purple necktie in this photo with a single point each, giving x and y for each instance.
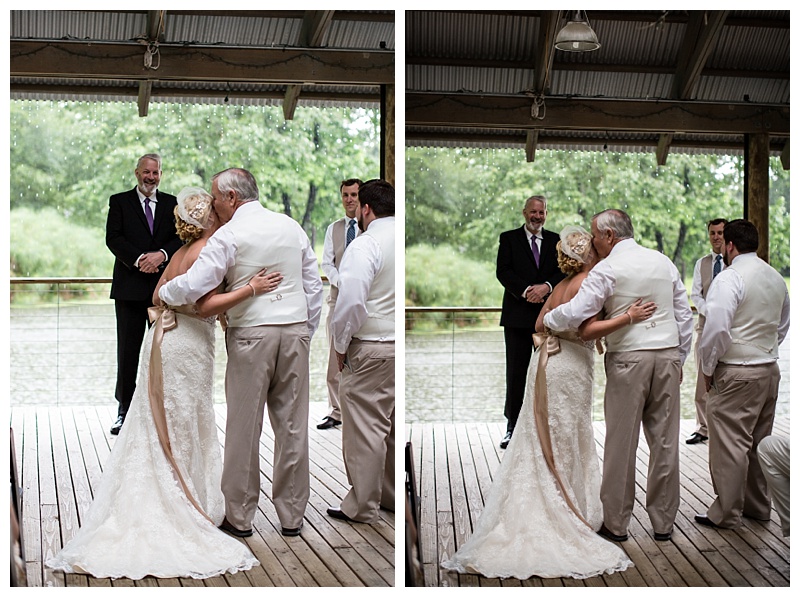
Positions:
(148, 213)
(535, 250)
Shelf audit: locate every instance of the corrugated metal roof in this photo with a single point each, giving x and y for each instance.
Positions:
(346, 30)
(640, 55)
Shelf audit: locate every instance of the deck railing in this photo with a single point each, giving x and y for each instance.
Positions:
(455, 368)
(63, 344)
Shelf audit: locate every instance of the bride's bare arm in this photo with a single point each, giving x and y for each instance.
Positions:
(545, 308)
(594, 327)
(216, 302)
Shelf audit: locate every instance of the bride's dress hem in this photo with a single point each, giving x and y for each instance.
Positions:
(76, 568)
(449, 565)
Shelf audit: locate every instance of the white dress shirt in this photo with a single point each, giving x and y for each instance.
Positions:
(600, 284)
(219, 255)
(360, 264)
(724, 297)
(697, 284)
(153, 204)
(328, 267)
(529, 235)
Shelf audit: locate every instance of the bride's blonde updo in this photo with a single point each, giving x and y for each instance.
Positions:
(192, 213)
(573, 249)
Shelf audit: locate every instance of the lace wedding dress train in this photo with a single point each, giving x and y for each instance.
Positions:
(141, 521)
(527, 528)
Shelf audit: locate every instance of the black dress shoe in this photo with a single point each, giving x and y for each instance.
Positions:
(338, 514)
(232, 530)
(604, 532)
(117, 425)
(505, 440)
(291, 532)
(328, 422)
(705, 521)
(662, 536)
(696, 438)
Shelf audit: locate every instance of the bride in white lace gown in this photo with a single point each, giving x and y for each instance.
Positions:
(543, 509)
(159, 501)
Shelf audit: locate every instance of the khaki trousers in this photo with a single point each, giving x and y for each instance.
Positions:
(773, 454)
(333, 375)
(642, 390)
(741, 409)
(367, 400)
(267, 365)
(700, 394)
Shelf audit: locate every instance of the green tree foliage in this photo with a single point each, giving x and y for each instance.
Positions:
(462, 199)
(72, 156)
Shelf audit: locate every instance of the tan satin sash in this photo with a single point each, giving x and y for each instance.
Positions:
(548, 345)
(164, 320)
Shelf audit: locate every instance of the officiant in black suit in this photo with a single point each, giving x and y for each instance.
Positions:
(527, 267)
(140, 232)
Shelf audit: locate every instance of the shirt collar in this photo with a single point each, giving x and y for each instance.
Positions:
(142, 196)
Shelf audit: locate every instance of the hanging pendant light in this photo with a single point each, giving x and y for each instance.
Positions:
(577, 35)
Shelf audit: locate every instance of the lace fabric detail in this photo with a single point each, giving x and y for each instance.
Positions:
(140, 522)
(526, 528)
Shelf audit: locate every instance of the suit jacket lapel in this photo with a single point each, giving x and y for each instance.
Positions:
(136, 206)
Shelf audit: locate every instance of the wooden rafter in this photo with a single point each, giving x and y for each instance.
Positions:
(315, 25)
(548, 24)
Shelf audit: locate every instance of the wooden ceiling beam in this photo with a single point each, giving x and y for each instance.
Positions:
(701, 36)
(315, 25)
(201, 63)
(545, 50)
(498, 111)
(662, 148)
(156, 25)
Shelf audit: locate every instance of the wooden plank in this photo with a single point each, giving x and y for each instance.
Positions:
(31, 526)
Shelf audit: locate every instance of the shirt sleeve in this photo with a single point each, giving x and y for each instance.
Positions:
(312, 284)
(783, 327)
(697, 290)
(683, 315)
(360, 264)
(594, 290)
(724, 297)
(328, 267)
(205, 274)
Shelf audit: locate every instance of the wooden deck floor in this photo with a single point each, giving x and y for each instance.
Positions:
(454, 465)
(60, 455)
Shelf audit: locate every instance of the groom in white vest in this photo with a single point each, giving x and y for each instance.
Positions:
(643, 365)
(267, 340)
(747, 318)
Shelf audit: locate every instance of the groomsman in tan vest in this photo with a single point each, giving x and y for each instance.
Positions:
(267, 340)
(747, 319)
(705, 270)
(338, 237)
(363, 335)
(643, 365)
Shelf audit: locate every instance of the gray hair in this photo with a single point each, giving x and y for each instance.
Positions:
(615, 220)
(149, 156)
(541, 198)
(238, 180)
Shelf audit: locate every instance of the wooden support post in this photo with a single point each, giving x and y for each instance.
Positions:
(757, 198)
(531, 142)
(387, 133)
